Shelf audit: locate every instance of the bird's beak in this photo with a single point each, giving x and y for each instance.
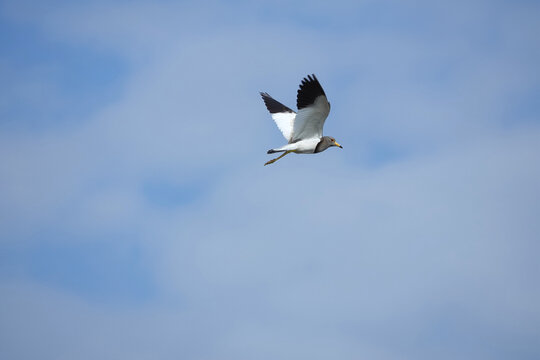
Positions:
(336, 144)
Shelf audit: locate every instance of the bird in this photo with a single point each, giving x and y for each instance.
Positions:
(302, 130)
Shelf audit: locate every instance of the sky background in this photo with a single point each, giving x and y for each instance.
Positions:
(137, 220)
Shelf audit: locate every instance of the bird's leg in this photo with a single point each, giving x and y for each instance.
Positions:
(279, 157)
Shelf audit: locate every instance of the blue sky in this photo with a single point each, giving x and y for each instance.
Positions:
(137, 220)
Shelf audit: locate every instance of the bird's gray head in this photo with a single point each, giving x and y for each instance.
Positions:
(325, 143)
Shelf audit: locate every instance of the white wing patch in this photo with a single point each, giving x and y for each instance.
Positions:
(310, 120)
(285, 123)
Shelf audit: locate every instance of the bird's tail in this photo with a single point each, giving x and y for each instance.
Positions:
(271, 151)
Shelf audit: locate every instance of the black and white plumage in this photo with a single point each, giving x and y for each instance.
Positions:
(303, 130)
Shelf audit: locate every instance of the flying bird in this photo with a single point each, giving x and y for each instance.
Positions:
(302, 130)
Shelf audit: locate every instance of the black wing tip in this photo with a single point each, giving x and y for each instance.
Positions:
(273, 105)
(309, 78)
(309, 90)
(265, 96)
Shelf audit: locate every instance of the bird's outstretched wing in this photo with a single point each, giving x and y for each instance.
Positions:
(313, 109)
(282, 115)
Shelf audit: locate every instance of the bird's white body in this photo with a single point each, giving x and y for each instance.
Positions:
(306, 146)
